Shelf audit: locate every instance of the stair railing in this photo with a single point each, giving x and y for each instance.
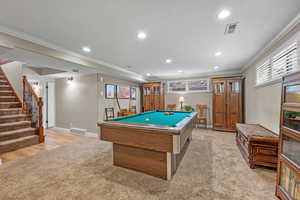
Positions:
(33, 105)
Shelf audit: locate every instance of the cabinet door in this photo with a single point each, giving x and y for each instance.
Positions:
(233, 102)
(219, 106)
(156, 98)
(147, 98)
(290, 181)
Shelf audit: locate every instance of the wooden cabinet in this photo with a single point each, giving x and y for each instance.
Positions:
(153, 96)
(227, 102)
(288, 170)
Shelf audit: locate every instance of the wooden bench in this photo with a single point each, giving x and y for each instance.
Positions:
(258, 145)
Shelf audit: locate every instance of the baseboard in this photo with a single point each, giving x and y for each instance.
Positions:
(65, 130)
(208, 126)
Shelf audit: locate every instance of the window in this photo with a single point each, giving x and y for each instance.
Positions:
(278, 65)
(263, 73)
(201, 85)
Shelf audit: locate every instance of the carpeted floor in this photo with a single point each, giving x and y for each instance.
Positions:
(212, 169)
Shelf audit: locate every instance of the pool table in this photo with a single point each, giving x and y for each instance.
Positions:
(150, 142)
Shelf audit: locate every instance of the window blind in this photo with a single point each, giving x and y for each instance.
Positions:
(263, 73)
(285, 61)
(282, 63)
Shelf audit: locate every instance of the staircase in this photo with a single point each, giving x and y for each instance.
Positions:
(15, 127)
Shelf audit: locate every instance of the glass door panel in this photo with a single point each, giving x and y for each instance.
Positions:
(290, 182)
(291, 149)
(219, 87)
(291, 120)
(234, 87)
(292, 94)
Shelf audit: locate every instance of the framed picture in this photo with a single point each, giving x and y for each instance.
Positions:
(201, 85)
(177, 86)
(133, 93)
(188, 86)
(110, 91)
(123, 92)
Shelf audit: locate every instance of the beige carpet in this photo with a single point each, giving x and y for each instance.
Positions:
(212, 169)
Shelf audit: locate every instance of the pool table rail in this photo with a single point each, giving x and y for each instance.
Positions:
(177, 130)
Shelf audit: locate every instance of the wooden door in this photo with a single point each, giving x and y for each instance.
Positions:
(156, 97)
(233, 103)
(147, 98)
(219, 105)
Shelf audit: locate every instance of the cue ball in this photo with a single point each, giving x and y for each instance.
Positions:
(147, 119)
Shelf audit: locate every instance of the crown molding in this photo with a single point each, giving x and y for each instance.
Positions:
(277, 38)
(11, 39)
(197, 76)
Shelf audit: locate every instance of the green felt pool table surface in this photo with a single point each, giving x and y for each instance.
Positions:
(158, 118)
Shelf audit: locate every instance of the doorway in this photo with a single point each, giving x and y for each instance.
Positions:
(50, 104)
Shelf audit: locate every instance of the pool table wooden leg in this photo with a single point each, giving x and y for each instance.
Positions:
(169, 166)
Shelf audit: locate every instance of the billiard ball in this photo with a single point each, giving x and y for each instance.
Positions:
(147, 119)
(171, 113)
(167, 113)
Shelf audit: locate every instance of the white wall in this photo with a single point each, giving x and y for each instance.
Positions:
(81, 103)
(263, 103)
(14, 73)
(77, 103)
(124, 103)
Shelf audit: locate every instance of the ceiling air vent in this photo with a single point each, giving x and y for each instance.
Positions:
(230, 28)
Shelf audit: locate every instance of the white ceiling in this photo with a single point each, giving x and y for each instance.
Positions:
(188, 32)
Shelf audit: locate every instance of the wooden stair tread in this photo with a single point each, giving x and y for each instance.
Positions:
(17, 131)
(5, 103)
(6, 91)
(7, 97)
(14, 123)
(7, 142)
(10, 109)
(14, 116)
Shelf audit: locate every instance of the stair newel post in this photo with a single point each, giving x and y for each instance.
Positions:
(41, 125)
(24, 106)
(33, 105)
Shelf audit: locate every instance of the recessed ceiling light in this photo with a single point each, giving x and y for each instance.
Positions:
(168, 60)
(180, 71)
(86, 49)
(224, 14)
(216, 67)
(148, 74)
(218, 53)
(141, 35)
